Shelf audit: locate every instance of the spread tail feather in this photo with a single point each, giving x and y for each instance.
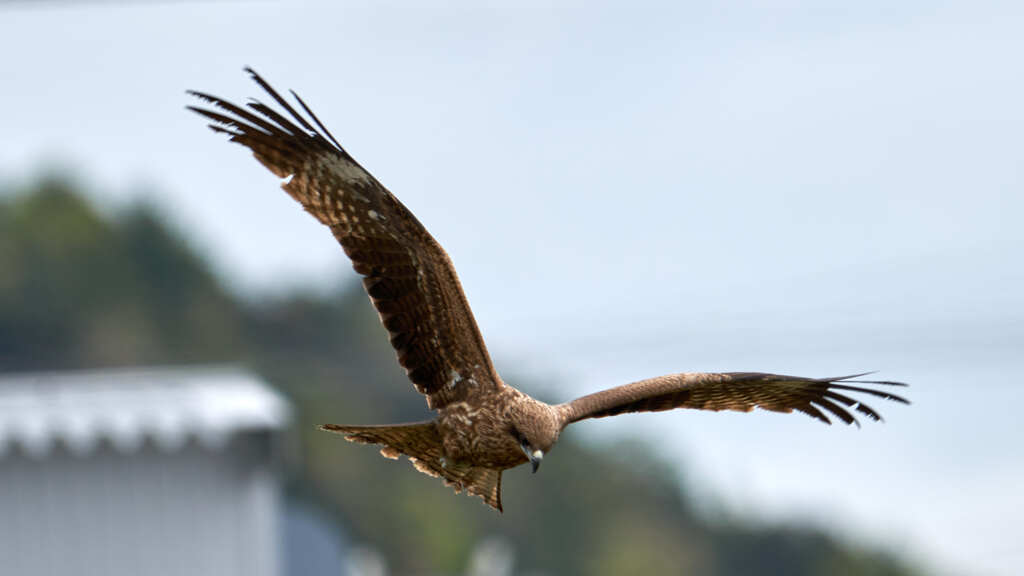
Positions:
(421, 442)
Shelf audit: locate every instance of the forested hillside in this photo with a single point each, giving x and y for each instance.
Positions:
(78, 290)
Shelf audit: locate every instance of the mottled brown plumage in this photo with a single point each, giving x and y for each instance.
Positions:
(483, 426)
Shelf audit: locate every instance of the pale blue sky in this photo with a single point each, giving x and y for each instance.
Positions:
(628, 191)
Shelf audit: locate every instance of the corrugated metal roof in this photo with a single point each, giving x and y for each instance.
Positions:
(127, 407)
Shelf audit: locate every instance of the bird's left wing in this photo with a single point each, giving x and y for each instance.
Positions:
(741, 391)
(408, 276)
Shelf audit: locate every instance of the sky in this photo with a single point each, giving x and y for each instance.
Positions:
(628, 191)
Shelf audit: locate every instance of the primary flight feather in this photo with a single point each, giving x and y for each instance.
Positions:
(483, 425)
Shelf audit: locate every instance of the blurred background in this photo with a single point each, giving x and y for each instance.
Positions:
(626, 191)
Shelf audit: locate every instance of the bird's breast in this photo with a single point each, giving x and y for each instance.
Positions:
(478, 434)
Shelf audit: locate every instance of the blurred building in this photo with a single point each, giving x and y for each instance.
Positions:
(130, 472)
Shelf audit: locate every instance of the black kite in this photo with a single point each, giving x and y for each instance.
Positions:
(483, 426)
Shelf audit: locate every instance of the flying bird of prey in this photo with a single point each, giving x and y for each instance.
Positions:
(483, 426)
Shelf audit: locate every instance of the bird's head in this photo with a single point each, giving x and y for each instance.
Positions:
(535, 430)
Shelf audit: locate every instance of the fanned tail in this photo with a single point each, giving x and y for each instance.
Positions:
(421, 442)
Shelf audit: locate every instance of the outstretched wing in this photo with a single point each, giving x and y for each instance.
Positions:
(741, 391)
(408, 276)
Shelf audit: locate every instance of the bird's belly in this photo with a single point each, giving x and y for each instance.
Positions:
(471, 438)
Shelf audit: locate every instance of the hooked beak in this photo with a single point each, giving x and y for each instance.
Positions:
(535, 456)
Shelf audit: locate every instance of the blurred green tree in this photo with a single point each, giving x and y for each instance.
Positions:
(79, 291)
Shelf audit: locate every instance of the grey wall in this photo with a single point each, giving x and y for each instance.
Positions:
(196, 510)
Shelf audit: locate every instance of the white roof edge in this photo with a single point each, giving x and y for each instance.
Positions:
(126, 407)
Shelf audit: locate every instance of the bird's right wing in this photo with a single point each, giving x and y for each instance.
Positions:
(408, 276)
(741, 391)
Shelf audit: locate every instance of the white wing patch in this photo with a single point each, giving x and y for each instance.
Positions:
(454, 379)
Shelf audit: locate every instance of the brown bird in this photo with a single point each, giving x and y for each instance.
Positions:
(483, 425)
